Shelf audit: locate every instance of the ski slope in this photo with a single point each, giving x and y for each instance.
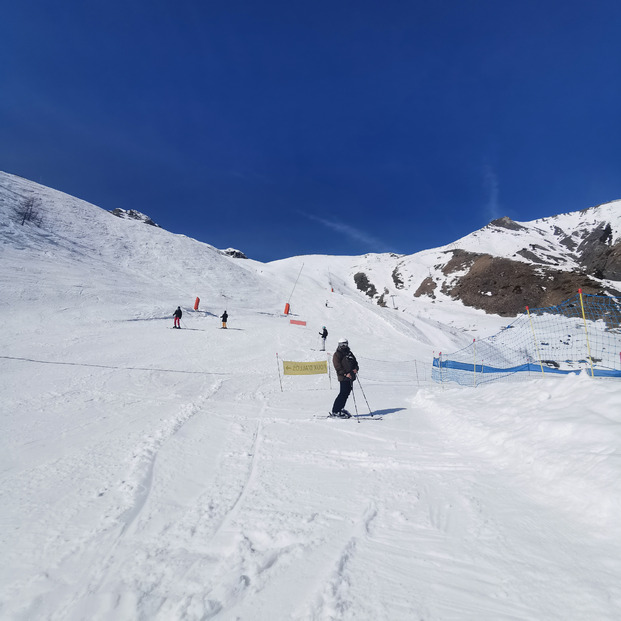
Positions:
(159, 474)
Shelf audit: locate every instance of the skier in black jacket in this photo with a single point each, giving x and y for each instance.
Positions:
(324, 336)
(346, 367)
(177, 315)
(224, 317)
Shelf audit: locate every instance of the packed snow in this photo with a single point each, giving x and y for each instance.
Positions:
(158, 474)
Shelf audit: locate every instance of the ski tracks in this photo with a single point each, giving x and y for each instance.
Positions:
(334, 597)
(108, 549)
(239, 544)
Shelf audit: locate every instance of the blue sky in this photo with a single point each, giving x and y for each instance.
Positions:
(284, 128)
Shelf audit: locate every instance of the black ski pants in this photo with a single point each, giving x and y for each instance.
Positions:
(341, 398)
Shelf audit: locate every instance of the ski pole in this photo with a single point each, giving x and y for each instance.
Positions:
(365, 397)
(354, 396)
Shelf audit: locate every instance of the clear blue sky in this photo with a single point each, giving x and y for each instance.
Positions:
(285, 128)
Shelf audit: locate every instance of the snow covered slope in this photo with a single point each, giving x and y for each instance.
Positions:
(160, 474)
(559, 240)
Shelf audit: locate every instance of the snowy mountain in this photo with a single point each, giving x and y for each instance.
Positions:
(508, 265)
(160, 474)
(500, 268)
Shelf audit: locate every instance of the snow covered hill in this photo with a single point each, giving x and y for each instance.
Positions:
(159, 474)
(508, 265)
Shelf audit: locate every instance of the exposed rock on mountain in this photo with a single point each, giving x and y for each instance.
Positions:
(506, 265)
(232, 252)
(505, 287)
(598, 255)
(132, 214)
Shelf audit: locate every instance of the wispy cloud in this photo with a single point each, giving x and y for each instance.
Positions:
(490, 182)
(372, 243)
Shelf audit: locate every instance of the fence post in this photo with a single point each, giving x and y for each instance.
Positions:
(441, 372)
(587, 334)
(474, 348)
(279, 378)
(535, 339)
(329, 371)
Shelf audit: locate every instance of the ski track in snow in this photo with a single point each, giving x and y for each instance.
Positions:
(136, 488)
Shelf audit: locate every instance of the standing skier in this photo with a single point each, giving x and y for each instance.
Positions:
(324, 336)
(177, 315)
(224, 318)
(346, 367)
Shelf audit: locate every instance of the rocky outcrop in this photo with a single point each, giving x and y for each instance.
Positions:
(427, 287)
(506, 223)
(232, 252)
(505, 287)
(132, 214)
(598, 255)
(363, 283)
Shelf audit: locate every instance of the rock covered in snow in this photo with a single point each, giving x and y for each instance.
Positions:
(232, 252)
(132, 214)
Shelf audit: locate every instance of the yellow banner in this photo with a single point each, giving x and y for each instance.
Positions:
(304, 368)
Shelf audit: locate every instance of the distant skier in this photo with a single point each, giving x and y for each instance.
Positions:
(177, 315)
(346, 367)
(224, 318)
(324, 336)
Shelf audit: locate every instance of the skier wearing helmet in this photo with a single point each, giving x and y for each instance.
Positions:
(346, 367)
(324, 336)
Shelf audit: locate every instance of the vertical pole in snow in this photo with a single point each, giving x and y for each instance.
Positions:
(295, 284)
(587, 334)
(440, 365)
(329, 371)
(535, 339)
(416, 370)
(474, 347)
(279, 378)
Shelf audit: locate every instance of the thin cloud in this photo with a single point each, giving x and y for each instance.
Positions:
(492, 187)
(374, 244)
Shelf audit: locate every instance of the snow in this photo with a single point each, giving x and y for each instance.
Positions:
(151, 473)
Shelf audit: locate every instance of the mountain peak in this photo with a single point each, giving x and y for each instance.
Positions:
(506, 223)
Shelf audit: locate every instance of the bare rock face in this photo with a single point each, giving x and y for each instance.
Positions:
(506, 223)
(363, 283)
(427, 287)
(598, 255)
(505, 287)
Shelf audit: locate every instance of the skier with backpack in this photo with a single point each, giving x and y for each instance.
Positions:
(346, 367)
(225, 318)
(177, 315)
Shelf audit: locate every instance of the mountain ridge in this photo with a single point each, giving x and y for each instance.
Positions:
(500, 268)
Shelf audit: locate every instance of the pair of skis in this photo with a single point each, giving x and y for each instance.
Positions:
(358, 417)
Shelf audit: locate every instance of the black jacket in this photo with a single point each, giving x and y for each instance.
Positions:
(178, 313)
(224, 316)
(324, 334)
(344, 362)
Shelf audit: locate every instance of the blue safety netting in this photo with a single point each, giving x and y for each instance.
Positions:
(577, 335)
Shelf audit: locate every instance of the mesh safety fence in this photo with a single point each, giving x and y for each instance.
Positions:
(582, 333)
